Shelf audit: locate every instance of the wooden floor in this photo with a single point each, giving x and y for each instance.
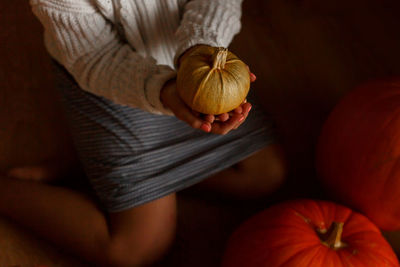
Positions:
(306, 54)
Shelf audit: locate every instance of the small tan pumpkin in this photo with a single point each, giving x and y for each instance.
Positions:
(212, 80)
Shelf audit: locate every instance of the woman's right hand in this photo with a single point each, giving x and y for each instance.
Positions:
(207, 123)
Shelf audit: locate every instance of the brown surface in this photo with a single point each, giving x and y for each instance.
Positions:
(306, 55)
(32, 127)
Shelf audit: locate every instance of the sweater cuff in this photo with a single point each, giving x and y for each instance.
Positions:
(154, 86)
(208, 22)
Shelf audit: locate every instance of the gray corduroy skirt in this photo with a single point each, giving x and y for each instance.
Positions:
(132, 157)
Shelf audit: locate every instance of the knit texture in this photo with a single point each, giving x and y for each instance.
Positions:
(125, 50)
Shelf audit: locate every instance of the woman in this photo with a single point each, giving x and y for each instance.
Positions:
(116, 64)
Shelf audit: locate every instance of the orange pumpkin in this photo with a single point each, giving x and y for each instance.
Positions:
(308, 233)
(358, 154)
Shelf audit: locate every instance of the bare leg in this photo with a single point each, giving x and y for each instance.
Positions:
(72, 220)
(257, 176)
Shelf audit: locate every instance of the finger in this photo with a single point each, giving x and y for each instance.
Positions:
(253, 77)
(238, 110)
(206, 127)
(209, 118)
(183, 113)
(171, 99)
(247, 107)
(240, 122)
(192, 120)
(223, 117)
(225, 127)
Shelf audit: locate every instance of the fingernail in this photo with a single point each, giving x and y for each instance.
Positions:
(250, 108)
(241, 118)
(205, 127)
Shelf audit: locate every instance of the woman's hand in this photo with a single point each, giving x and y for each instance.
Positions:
(170, 98)
(221, 124)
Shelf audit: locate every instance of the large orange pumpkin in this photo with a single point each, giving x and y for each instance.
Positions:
(308, 233)
(358, 154)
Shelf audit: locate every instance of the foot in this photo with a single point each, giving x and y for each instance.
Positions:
(42, 172)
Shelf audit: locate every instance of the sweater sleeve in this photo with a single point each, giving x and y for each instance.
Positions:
(79, 37)
(209, 22)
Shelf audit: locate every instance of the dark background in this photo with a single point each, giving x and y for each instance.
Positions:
(306, 54)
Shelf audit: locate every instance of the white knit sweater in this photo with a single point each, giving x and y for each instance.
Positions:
(124, 50)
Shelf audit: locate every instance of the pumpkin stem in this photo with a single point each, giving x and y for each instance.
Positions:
(219, 58)
(332, 238)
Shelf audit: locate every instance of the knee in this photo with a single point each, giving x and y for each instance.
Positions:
(267, 171)
(143, 249)
(121, 254)
(274, 176)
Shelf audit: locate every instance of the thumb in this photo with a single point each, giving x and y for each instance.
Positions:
(253, 77)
